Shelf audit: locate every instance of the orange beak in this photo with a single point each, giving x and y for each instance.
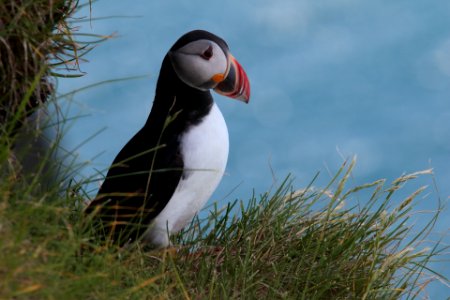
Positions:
(236, 84)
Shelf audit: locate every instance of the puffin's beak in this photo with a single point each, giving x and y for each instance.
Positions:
(236, 84)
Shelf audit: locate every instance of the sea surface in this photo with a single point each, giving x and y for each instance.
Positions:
(330, 80)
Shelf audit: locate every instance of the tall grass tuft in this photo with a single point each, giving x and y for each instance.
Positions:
(304, 244)
(309, 244)
(38, 43)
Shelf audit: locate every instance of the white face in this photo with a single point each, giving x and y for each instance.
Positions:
(201, 64)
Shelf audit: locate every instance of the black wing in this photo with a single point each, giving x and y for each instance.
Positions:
(141, 181)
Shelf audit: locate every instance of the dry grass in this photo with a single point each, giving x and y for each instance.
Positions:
(37, 43)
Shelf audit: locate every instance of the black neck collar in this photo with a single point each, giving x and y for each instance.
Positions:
(175, 99)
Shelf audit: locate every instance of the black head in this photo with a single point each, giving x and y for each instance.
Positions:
(196, 35)
(202, 60)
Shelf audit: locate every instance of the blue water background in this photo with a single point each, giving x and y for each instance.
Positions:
(330, 80)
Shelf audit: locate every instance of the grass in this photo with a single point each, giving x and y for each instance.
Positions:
(303, 244)
(335, 242)
(38, 43)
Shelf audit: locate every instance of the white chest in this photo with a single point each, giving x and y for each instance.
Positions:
(205, 146)
(205, 152)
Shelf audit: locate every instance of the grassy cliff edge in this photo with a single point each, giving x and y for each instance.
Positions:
(303, 244)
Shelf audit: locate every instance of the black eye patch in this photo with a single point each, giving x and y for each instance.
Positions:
(208, 53)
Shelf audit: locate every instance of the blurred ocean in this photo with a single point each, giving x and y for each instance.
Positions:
(329, 80)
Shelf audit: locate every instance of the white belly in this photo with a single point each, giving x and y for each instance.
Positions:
(205, 153)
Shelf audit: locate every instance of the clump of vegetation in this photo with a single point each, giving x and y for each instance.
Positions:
(308, 244)
(36, 41)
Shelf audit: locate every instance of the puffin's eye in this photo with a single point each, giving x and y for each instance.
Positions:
(208, 53)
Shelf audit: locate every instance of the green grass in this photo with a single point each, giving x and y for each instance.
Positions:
(303, 244)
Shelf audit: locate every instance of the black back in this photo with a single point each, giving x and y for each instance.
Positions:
(146, 172)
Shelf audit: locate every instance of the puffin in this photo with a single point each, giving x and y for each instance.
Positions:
(169, 169)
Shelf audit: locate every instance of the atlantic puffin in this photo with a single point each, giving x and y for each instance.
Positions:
(166, 173)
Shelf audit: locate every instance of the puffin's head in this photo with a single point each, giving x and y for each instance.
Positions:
(203, 61)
